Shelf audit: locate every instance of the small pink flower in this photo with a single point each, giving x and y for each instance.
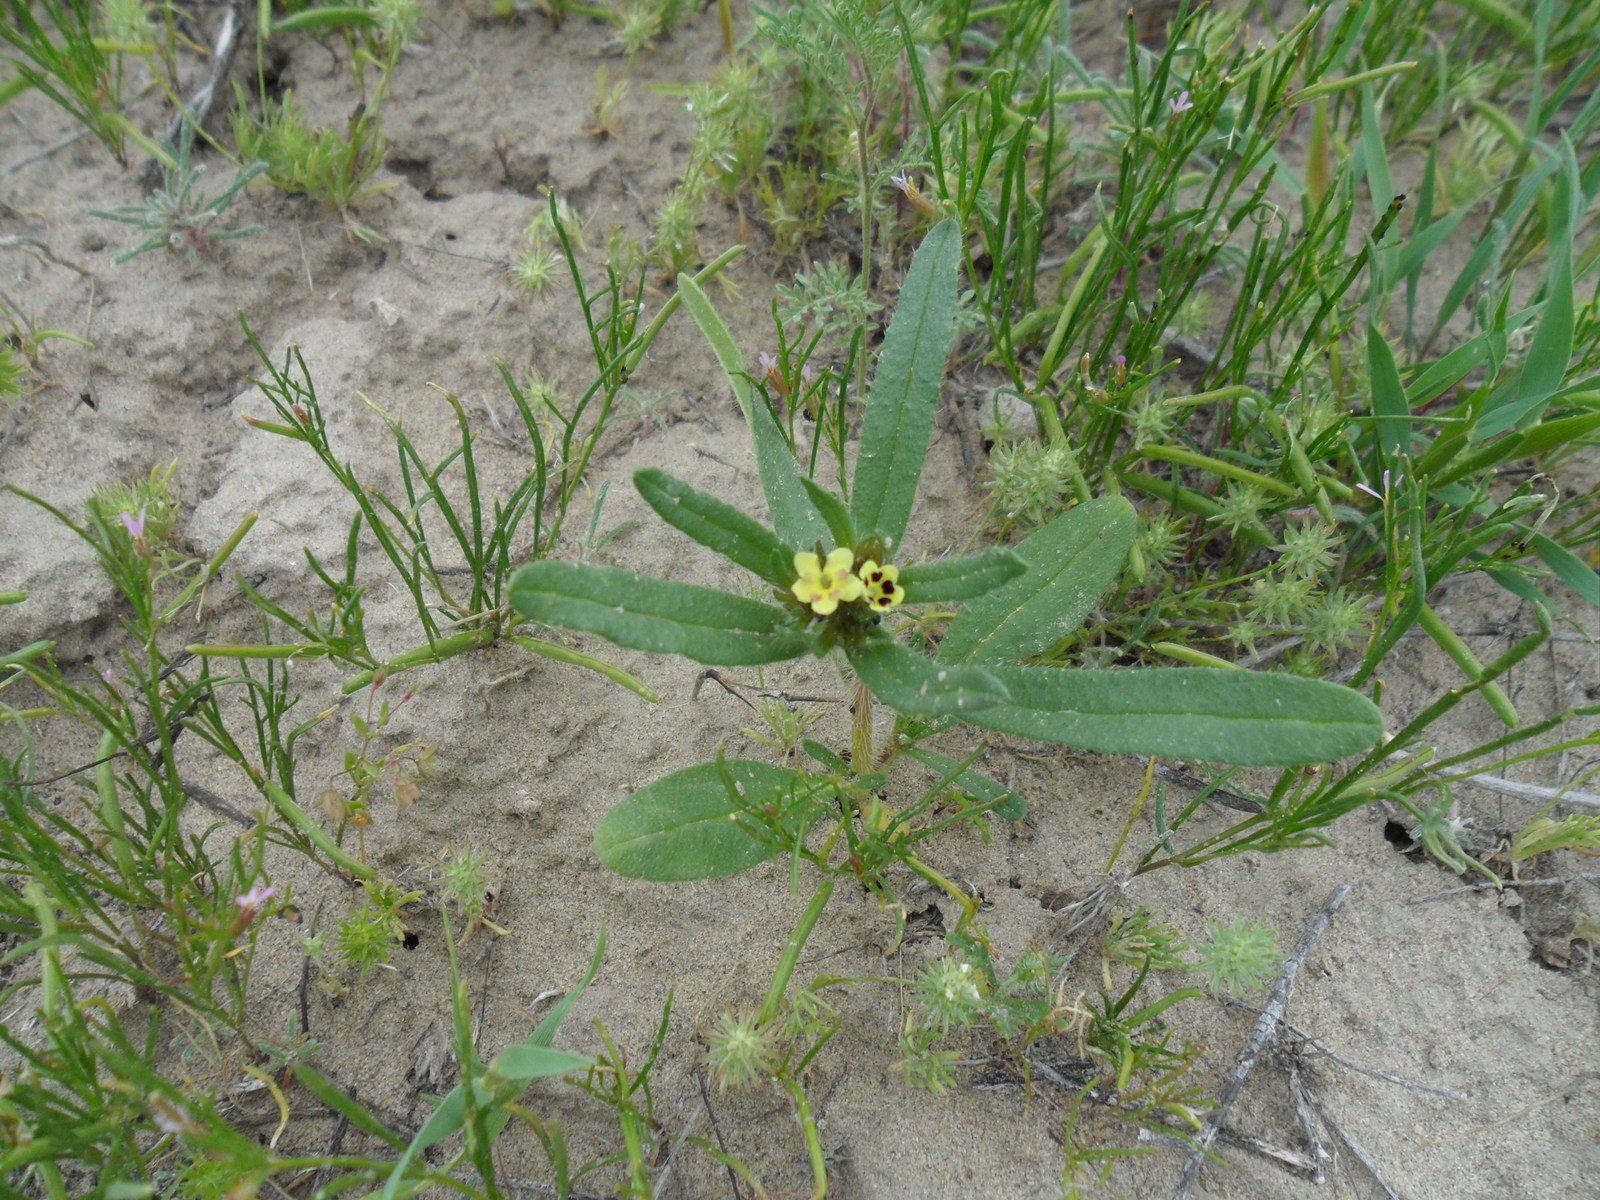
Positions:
(107, 677)
(253, 899)
(1388, 486)
(134, 525)
(770, 372)
(1181, 103)
(913, 194)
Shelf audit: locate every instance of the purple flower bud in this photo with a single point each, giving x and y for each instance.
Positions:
(134, 525)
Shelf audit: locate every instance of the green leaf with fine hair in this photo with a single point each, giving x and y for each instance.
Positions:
(713, 524)
(793, 515)
(924, 687)
(694, 823)
(833, 512)
(1006, 803)
(951, 579)
(1071, 562)
(1216, 715)
(826, 757)
(641, 613)
(905, 389)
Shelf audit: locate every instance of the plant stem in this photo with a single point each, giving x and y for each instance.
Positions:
(105, 783)
(861, 756)
(306, 826)
(791, 951)
(819, 1165)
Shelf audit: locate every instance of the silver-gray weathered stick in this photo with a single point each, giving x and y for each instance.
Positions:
(1260, 1038)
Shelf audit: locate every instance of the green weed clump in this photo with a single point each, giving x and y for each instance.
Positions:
(727, 815)
(176, 216)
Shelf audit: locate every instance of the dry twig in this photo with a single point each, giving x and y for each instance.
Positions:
(1508, 883)
(1266, 1028)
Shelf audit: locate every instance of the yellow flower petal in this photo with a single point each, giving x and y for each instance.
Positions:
(840, 561)
(881, 585)
(823, 585)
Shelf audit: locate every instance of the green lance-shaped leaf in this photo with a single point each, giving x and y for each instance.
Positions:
(833, 512)
(633, 610)
(1528, 392)
(1216, 715)
(1071, 562)
(1006, 803)
(924, 687)
(522, 1062)
(713, 524)
(952, 579)
(905, 389)
(1569, 568)
(1389, 403)
(793, 515)
(689, 825)
(516, 1064)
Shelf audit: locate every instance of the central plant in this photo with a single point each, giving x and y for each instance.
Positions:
(830, 565)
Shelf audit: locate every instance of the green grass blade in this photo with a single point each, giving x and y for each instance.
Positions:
(588, 662)
(1569, 568)
(1550, 353)
(1006, 803)
(545, 1032)
(1388, 398)
(1374, 158)
(352, 1110)
(527, 1061)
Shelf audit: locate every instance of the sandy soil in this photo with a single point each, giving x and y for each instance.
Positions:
(1474, 993)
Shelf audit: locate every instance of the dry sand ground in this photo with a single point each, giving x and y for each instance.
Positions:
(1458, 993)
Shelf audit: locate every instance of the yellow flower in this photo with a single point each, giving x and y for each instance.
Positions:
(882, 585)
(823, 585)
